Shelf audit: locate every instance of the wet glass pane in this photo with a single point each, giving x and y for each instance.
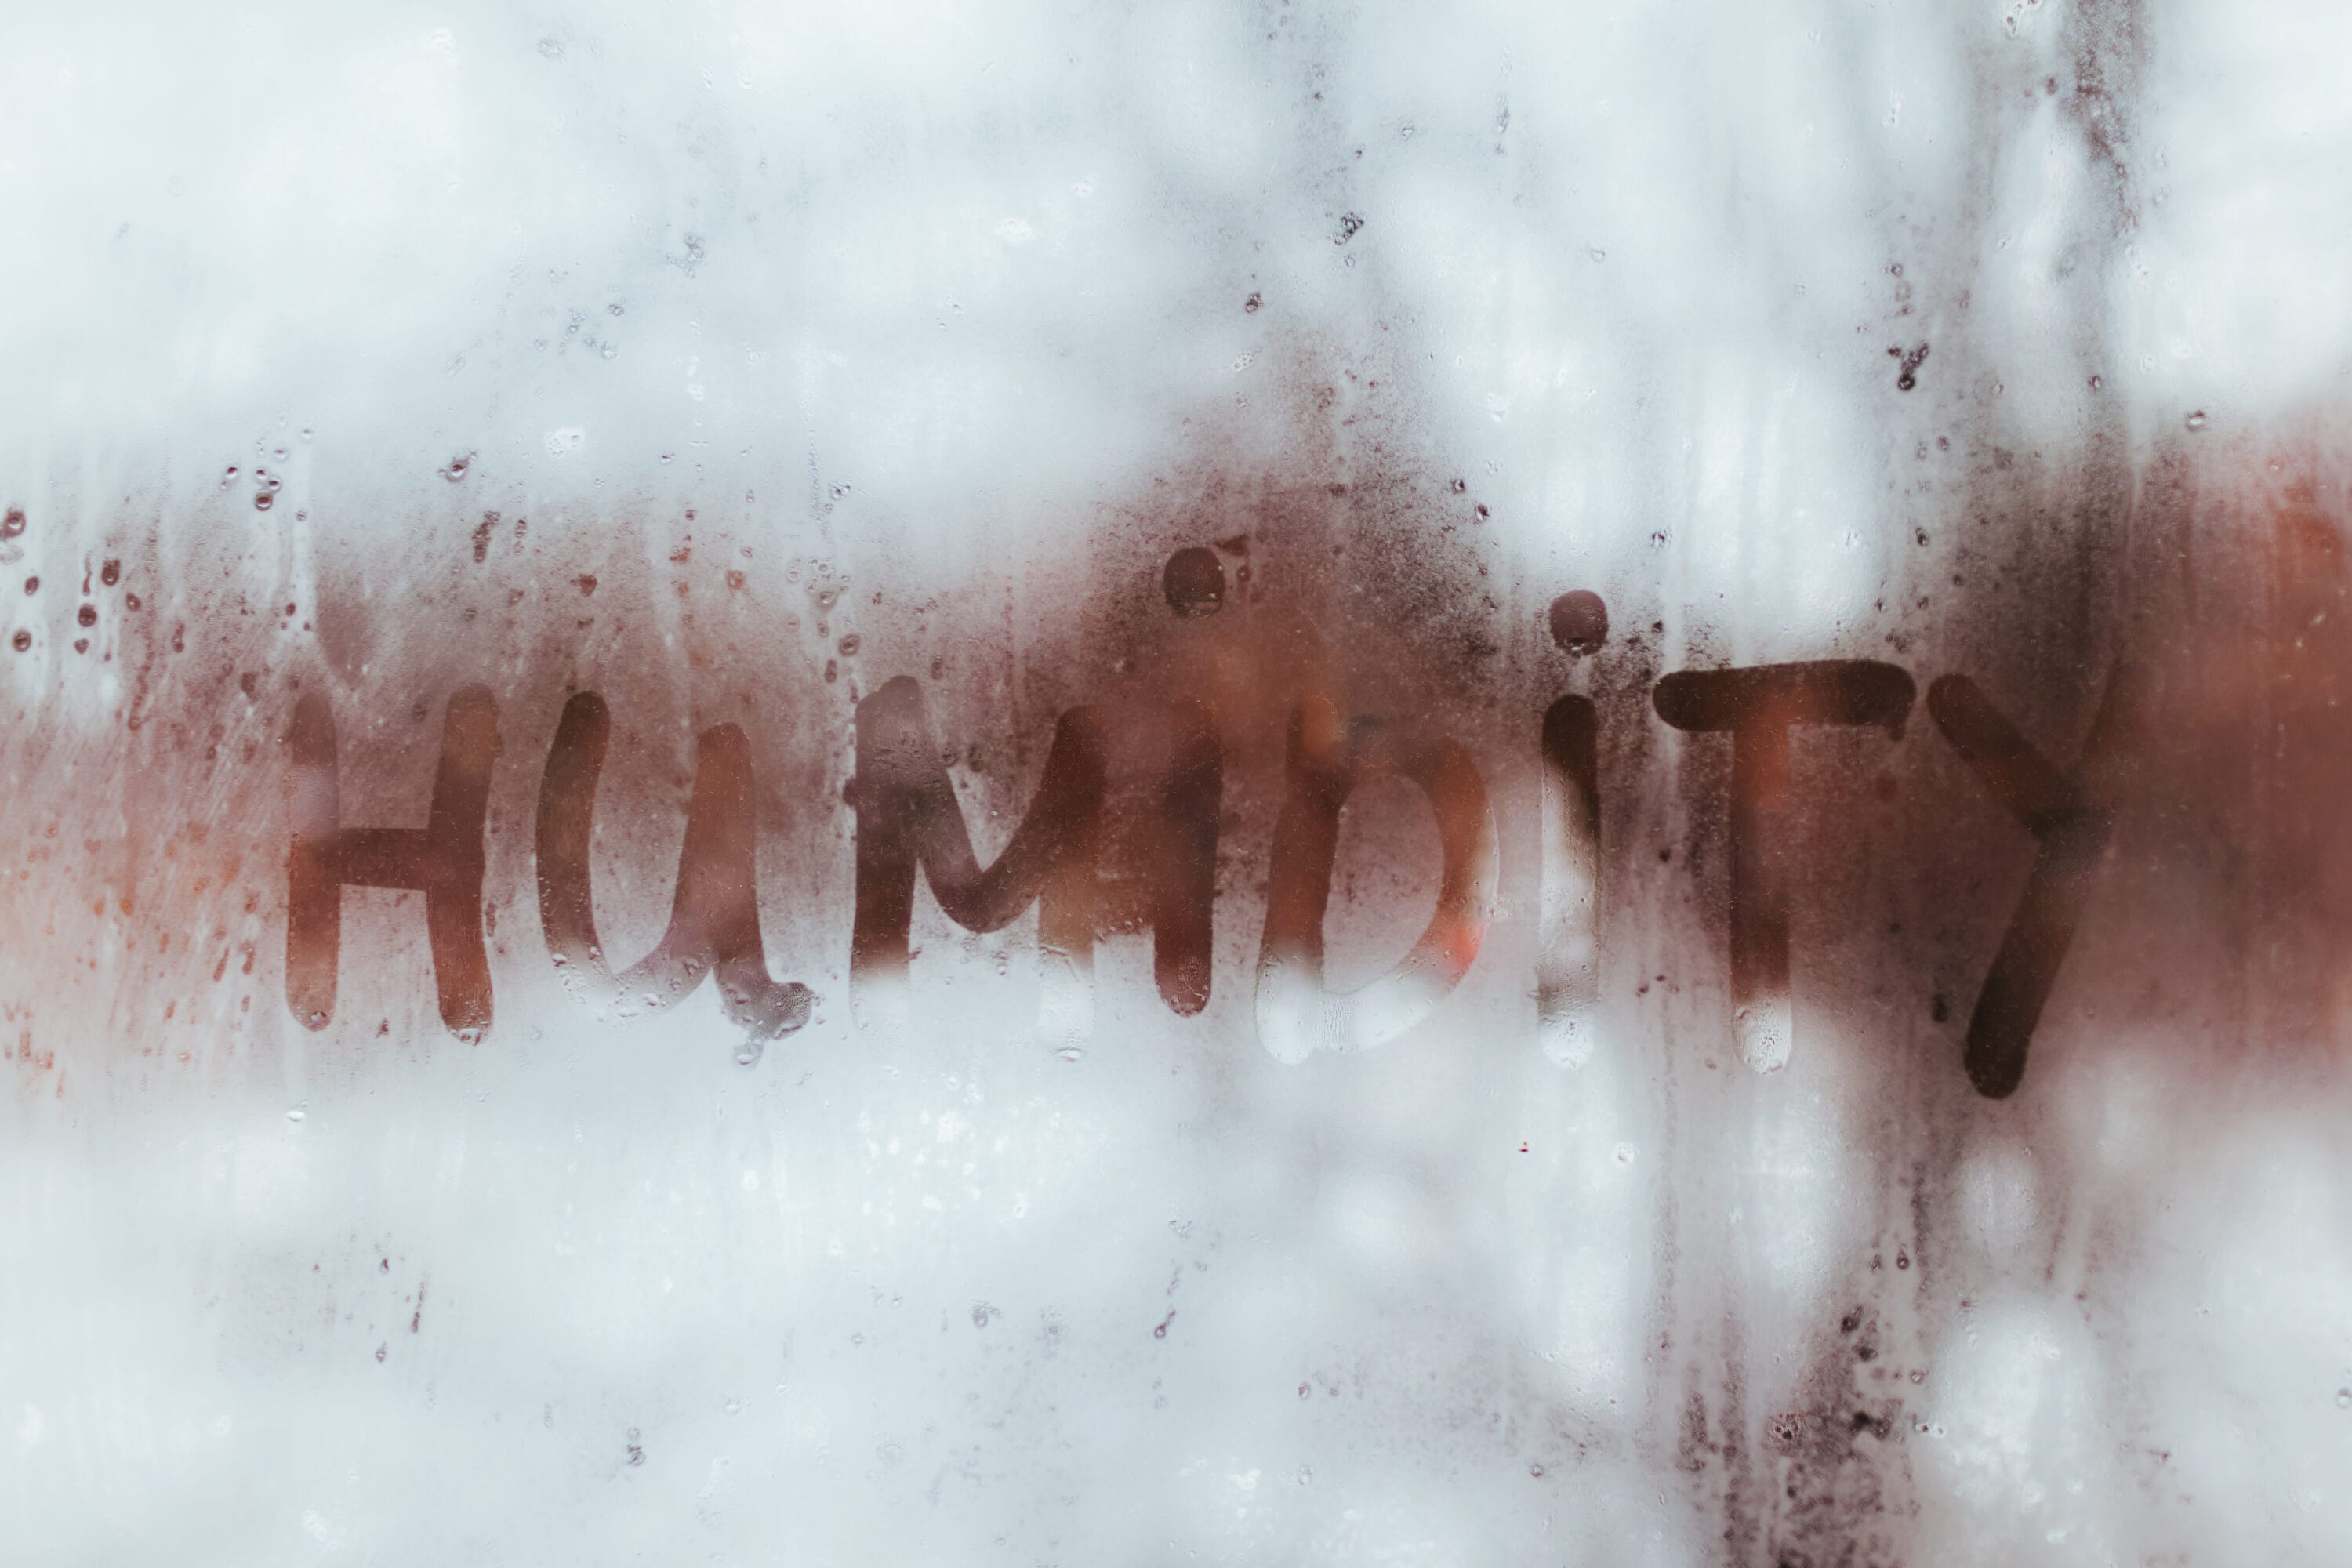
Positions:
(1250, 783)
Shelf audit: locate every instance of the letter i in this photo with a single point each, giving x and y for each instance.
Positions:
(1568, 951)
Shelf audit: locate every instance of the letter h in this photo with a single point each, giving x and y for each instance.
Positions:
(443, 860)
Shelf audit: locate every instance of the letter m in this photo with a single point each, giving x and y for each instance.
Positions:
(908, 821)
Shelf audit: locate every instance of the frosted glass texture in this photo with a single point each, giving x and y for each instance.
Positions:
(1257, 784)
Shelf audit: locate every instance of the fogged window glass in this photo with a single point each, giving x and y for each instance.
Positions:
(1254, 783)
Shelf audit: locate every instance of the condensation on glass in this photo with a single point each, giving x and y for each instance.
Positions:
(1247, 785)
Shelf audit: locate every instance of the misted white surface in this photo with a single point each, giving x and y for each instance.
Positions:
(927, 282)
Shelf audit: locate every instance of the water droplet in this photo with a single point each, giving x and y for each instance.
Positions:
(609, 350)
(733, 1406)
(849, 645)
(1580, 621)
(455, 467)
(1072, 1053)
(470, 1035)
(2344, 1399)
(552, 48)
(1194, 582)
(294, 1115)
(2196, 420)
(228, 477)
(748, 1054)
(1598, 254)
(263, 501)
(21, 641)
(1250, 306)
